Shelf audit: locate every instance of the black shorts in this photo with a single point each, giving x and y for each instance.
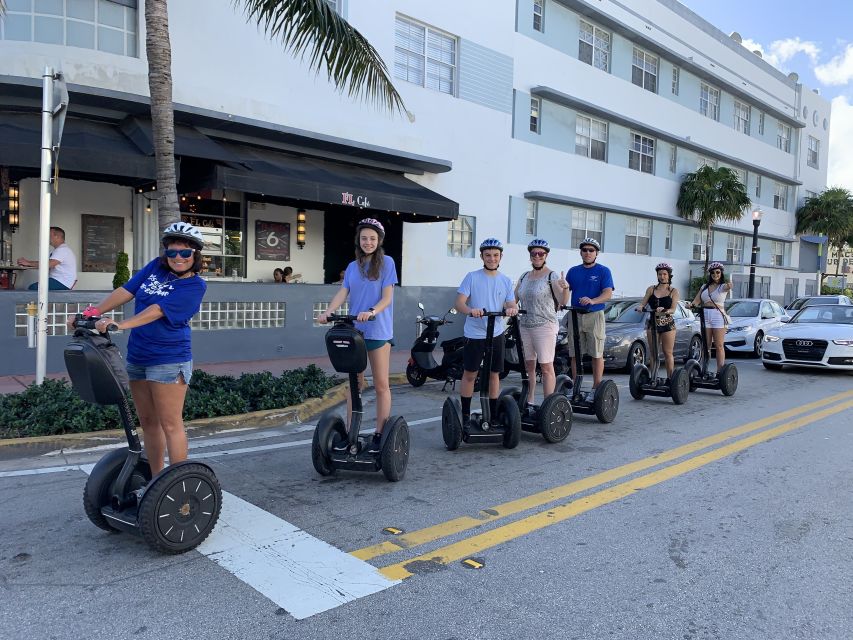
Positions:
(475, 349)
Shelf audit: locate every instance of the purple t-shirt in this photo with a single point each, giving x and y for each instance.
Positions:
(166, 340)
(365, 293)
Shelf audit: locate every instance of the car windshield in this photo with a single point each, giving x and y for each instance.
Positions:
(820, 300)
(622, 311)
(742, 309)
(835, 314)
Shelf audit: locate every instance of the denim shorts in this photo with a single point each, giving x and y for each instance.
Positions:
(165, 373)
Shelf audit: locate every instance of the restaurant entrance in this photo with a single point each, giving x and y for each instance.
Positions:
(339, 234)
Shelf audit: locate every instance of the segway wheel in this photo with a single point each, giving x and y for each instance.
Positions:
(728, 379)
(639, 377)
(329, 430)
(679, 386)
(694, 372)
(98, 490)
(181, 508)
(395, 450)
(451, 423)
(606, 401)
(555, 418)
(510, 418)
(564, 385)
(512, 392)
(415, 375)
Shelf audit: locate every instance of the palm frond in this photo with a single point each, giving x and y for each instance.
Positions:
(312, 30)
(830, 213)
(709, 195)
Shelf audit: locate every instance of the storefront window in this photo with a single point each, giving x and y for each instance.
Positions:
(224, 239)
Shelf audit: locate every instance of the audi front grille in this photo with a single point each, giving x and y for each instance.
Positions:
(805, 350)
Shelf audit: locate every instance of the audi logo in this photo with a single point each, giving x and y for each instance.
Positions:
(805, 343)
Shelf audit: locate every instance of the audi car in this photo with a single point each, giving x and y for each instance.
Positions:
(751, 319)
(819, 336)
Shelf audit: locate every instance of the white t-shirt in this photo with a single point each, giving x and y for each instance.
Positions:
(66, 271)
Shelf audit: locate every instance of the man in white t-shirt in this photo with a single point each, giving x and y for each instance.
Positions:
(63, 263)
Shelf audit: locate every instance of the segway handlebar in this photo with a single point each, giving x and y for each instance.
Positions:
(499, 314)
(82, 322)
(349, 319)
(576, 309)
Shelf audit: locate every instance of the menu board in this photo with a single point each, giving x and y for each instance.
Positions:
(103, 238)
(272, 241)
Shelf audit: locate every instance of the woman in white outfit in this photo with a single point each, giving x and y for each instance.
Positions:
(712, 297)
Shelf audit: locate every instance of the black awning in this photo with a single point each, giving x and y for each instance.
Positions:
(189, 141)
(300, 178)
(88, 148)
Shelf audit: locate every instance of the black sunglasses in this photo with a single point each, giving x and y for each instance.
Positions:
(174, 253)
(588, 250)
(716, 271)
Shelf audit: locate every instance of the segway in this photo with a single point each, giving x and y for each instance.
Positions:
(644, 382)
(336, 446)
(724, 380)
(553, 418)
(173, 511)
(603, 402)
(482, 428)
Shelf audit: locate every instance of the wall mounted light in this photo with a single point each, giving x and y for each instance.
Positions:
(300, 228)
(13, 207)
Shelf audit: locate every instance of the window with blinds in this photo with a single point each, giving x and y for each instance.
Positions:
(425, 56)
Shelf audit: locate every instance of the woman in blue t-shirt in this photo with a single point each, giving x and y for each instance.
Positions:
(369, 282)
(167, 293)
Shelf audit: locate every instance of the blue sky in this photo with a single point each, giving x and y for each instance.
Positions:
(813, 38)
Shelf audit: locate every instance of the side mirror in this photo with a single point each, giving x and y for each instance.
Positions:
(453, 311)
(785, 319)
(421, 306)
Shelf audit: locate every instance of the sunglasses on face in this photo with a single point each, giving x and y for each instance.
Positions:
(537, 254)
(174, 253)
(588, 250)
(716, 273)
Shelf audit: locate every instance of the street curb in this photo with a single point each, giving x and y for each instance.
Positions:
(254, 419)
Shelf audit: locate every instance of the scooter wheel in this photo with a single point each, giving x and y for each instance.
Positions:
(728, 379)
(510, 418)
(679, 386)
(415, 375)
(606, 401)
(98, 490)
(451, 423)
(180, 508)
(555, 418)
(512, 392)
(694, 373)
(639, 377)
(395, 450)
(329, 430)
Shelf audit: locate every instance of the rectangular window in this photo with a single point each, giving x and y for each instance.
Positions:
(780, 196)
(425, 56)
(742, 175)
(673, 159)
(460, 237)
(761, 123)
(535, 110)
(591, 138)
(702, 161)
(777, 253)
(221, 226)
(532, 216)
(699, 248)
(813, 153)
(644, 70)
(808, 194)
(734, 249)
(594, 46)
(641, 155)
(667, 241)
(587, 224)
(757, 186)
(676, 77)
(743, 113)
(538, 14)
(638, 236)
(783, 137)
(792, 287)
(709, 101)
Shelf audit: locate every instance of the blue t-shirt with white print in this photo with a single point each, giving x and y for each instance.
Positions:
(589, 282)
(167, 339)
(489, 293)
(365, 293)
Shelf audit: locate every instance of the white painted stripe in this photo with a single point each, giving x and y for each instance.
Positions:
(297, 571)
(34, 472)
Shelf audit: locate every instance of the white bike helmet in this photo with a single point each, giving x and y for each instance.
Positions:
(592, 242)
(183, 231)
(491, 243)
(539, 243)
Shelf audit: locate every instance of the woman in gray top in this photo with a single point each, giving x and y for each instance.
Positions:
(540, 292)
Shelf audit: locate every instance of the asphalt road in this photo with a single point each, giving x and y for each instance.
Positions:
(722, 518)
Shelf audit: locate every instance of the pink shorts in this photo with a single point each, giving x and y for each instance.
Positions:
(539, 342)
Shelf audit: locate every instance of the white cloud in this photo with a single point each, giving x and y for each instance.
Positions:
(837, 71)
(840, 171)
(780, 51)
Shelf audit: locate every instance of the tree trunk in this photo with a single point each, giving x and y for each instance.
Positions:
(707, 248)
(159, 51)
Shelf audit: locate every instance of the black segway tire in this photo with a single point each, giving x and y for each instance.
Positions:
(329, 430)
(639, 376)
(606, 401)
(728, 379)
(555, 418)
(510, 418)
(514, 393)
(98, 490)
(394, 457)
(679, 386)
(451, 423)
(694, 373)
(180, 508)
(415, 375)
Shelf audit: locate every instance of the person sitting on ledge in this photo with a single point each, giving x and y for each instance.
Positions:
(278, 276)
(62, 261)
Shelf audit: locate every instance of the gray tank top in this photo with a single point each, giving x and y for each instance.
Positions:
(534, 296)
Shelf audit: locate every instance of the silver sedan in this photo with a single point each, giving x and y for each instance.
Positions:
(751, 320)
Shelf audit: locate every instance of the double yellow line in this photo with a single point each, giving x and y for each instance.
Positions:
(499, 535)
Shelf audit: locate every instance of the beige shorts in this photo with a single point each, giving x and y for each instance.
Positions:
(591, 327)
(539, 342)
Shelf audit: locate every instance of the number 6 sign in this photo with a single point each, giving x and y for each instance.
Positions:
(272, 241)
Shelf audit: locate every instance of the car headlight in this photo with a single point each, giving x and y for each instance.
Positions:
(769, 338)
(614, 339)
(734, 329)
(843, 343)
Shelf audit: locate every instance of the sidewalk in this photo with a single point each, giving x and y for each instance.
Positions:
(399, 360)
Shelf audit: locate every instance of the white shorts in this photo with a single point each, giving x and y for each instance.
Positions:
(714, 319)
(539, 342)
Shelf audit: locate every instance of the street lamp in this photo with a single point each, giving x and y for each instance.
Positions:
(756, 220)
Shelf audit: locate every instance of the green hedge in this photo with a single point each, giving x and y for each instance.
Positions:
(54, 408)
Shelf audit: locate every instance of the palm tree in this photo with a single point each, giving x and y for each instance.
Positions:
(304, 27)
(828, 214)
(710, 195)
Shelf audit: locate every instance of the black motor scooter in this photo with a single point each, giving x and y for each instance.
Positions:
(173, 511)
(336, 446)
(643, 382)
(725, 380)
(504, 428)
(422, 364)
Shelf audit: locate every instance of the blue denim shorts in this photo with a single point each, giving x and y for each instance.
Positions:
(165, 373)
